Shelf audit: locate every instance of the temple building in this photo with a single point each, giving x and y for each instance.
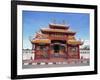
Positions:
(56, 41)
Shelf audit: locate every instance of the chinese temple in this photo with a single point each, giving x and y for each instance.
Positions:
(56, 41)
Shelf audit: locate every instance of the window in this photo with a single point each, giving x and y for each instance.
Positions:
(73, 49)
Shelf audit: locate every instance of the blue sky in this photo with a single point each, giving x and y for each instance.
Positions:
(32, 21)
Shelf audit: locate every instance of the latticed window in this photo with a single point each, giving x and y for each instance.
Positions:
(73, 49)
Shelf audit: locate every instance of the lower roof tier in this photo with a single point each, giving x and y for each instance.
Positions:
(48, 41)
(74, 42)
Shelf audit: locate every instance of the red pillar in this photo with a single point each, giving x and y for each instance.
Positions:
(78, 52)
(35, 52)
(49, 51)
(67, 52)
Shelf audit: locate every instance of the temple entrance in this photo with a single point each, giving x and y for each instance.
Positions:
(58, 51)
(56, 48)
(58, 45)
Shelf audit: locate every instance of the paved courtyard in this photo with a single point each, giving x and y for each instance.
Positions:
(69, 63)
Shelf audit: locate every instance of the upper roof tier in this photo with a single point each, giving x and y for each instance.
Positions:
(58, 26)
(48, 30)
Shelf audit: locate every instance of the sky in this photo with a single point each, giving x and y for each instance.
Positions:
(33, 21)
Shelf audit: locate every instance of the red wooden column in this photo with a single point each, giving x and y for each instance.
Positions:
(78, 52)
(35, 51)
(49, 51)
(67, 51)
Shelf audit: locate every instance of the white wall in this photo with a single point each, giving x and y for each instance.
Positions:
(5, 29)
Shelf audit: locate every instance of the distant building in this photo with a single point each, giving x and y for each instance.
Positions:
(27, 54)
(27, 51)
(57, 41)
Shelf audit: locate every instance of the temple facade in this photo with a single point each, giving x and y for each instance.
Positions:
(57, 41)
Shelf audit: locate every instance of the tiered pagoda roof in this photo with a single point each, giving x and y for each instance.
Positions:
(57, 28)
